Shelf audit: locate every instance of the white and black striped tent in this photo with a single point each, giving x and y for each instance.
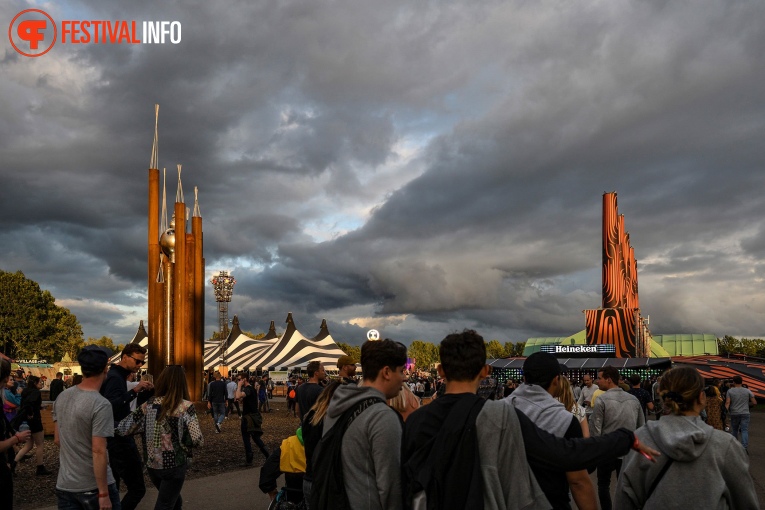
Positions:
(239, 349)
(272, 352)
(293, 350)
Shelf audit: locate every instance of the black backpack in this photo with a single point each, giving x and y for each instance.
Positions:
(328, 488)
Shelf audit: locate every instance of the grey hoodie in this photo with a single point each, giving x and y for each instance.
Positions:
(371, 450)
(710, 469)
(546, 412)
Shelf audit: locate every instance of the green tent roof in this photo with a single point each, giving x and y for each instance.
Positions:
(695, 344)
(533, 344)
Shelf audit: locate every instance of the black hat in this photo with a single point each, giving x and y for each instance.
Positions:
(541, 368)
(93, 358)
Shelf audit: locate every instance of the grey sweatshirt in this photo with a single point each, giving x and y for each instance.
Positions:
(508, 483)
(710, 469)
(546, 412)
(371, 450)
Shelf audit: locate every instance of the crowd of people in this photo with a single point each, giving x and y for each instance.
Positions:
(530, 444)
(369, 442)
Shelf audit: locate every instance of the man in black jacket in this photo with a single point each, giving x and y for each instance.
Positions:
(56, 386)
(123, 453)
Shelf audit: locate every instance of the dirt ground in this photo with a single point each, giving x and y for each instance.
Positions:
(221, 453)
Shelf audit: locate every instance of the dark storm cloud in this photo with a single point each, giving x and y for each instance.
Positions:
(491, 130)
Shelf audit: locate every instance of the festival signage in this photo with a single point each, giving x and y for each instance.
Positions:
(580, 351)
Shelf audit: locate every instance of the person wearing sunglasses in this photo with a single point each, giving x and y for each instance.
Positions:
(123, 454)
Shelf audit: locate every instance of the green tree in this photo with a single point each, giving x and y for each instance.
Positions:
(68, 334)
(105, 341)
(30, 321)
(746, 346)
(425, 354)
(509, 350)
(494, 349)
(354, 351)
(752, 346)
(728, 345)
(254, 336)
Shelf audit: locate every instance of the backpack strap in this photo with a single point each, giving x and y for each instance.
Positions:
(351, 414)
(658, 478)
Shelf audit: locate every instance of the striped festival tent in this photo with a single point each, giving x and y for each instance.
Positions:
(293, 350)
(272, 352)
(239, 349)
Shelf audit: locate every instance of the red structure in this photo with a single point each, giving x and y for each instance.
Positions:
(618, 321)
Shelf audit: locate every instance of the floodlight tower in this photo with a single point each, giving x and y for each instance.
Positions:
(223, 286)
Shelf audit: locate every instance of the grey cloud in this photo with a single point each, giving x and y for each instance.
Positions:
(520, 116)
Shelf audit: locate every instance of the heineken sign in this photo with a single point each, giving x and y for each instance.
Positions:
(580, 350)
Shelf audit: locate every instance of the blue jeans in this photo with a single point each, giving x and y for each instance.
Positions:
(740, 422)
(219, 412)
(87, 500)
(169, 482)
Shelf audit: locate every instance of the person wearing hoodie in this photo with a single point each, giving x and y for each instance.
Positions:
(701, 467)
(371, 447)
(613, 409)
(534, 398)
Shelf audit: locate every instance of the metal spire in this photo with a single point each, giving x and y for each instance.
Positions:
(179, 192)
(197, 212)
(154, 163)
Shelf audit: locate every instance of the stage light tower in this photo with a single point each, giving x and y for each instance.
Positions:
(223, 286)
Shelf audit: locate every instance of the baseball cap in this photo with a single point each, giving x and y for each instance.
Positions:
(345, 360)
(93, 358)
(541, 367)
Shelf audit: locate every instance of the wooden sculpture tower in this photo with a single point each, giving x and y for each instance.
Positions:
(175, 281)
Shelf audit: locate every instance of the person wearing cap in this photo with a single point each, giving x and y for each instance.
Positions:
(83, 423)
(347, 369)
(534, 398)
(123, 453)
(612, 410)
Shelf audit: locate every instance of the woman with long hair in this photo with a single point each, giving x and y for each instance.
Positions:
(170, 429)
(7, 441)
(29, 412)
(313, 426)
(566, 397)
(405, 403)
(714, 404)
(699, 467)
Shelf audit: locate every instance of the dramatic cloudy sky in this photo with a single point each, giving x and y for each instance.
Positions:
(414, 166)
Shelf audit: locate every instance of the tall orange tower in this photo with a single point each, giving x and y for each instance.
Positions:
(175, 280)
(618, 321)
